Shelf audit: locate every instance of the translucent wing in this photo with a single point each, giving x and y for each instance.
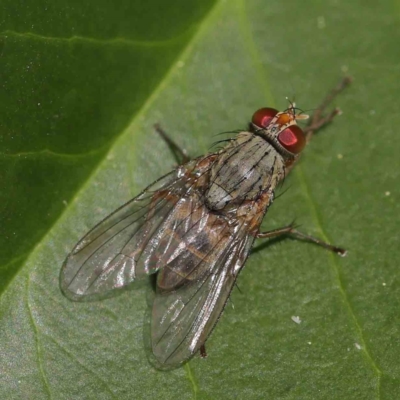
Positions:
(120, 249)
(196, 280)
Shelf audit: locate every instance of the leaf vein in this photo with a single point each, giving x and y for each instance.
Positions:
(333, 258)
(113, 41)
(50, 153)
(37, 342)
(74, 358)
(254, 54)
(192, 380)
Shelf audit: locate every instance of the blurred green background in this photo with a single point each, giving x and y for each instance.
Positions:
(82, 86)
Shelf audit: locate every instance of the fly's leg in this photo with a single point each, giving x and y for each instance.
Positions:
(318, 120)
(290, 230)
(203, 353)
(180, 154)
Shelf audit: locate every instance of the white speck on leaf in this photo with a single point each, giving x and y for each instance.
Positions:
(296, 319)
(358, 347)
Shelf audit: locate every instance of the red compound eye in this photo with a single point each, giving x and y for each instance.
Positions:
(263, 117)
(292, 139)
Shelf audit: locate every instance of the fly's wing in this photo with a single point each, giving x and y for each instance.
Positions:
(119, 249)
(196, 280)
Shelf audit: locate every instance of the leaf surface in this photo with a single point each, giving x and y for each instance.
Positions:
(82, 87)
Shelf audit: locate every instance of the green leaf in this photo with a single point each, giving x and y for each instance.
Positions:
(82, 86)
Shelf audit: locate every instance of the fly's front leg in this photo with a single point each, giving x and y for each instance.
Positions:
(318, 120)
(179, 153)
(290, 230)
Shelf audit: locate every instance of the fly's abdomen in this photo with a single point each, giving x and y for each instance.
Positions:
(193, 240)
(248, 166)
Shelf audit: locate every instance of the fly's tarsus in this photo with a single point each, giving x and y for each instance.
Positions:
(203, 352)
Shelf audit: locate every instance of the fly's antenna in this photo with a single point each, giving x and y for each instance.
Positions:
(292, 107)
(300, 115)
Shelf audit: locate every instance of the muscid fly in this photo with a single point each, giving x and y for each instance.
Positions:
(194, 227)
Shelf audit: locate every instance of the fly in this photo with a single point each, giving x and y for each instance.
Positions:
(195, 227)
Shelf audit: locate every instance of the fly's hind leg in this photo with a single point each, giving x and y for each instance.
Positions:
(290, 230)
(180, 154)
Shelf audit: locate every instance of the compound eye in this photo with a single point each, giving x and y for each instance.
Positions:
(292, 139)
(263, 117)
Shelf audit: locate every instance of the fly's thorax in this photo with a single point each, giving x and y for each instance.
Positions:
(248, 166)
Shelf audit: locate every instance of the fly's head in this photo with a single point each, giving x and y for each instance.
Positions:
(281, 130)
